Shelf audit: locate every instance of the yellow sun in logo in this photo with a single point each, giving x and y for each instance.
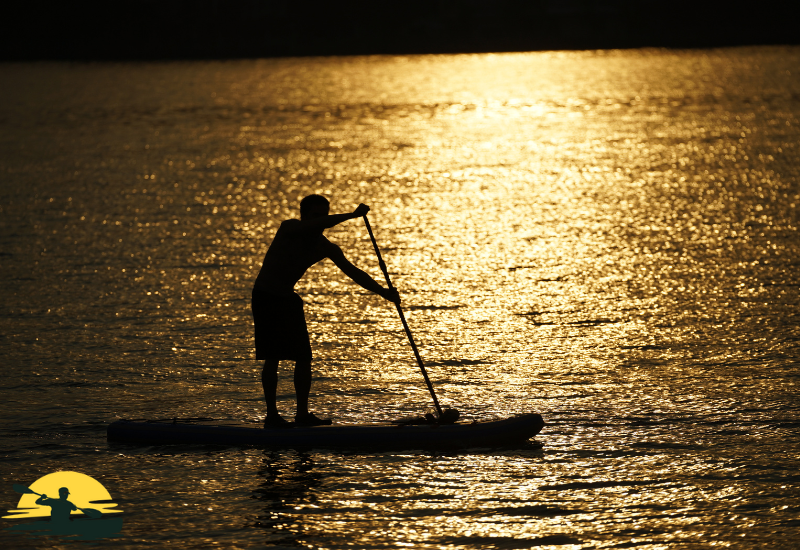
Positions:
(84, 492)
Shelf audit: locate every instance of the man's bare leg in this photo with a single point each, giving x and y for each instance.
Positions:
(269, 380)
(302, 385)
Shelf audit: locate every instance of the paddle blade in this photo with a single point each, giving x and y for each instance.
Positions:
(24, 490)
(91, 512)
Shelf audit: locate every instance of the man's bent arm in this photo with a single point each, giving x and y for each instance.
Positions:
(326, 222)
(361, 277)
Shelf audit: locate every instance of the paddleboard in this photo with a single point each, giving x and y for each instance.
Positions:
(491, 433)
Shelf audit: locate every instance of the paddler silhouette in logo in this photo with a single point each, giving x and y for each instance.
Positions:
(60, 508)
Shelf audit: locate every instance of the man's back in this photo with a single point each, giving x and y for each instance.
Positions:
(290, 255)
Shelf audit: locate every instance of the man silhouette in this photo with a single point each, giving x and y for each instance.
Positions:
(60, 508)
(280, 325)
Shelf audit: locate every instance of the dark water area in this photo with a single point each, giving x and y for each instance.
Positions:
(607, 238)
(137, 30)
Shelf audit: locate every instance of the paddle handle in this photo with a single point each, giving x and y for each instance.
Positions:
(403, 320)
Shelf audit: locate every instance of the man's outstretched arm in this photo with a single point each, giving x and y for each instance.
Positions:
(362, 278)
(325, 222)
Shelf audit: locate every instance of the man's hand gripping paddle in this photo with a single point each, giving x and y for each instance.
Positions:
(91, 512)
(446, 416)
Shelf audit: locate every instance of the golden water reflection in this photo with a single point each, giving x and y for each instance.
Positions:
(608, 238)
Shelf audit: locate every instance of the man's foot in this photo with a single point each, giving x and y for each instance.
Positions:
(309, 419)
(276, 421)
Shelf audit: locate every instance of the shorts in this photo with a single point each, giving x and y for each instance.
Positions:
(280, 323)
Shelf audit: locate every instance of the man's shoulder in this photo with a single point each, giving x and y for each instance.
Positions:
(291, 222)
(287, 227)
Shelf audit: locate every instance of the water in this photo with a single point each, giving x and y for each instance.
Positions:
(607, 238)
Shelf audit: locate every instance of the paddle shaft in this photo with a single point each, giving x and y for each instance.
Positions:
(403, 320)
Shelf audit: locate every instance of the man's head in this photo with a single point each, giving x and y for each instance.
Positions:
(63, 492)
(314, 206)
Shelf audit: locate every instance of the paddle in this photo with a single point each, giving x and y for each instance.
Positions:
(450, 415)
(91, 512)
